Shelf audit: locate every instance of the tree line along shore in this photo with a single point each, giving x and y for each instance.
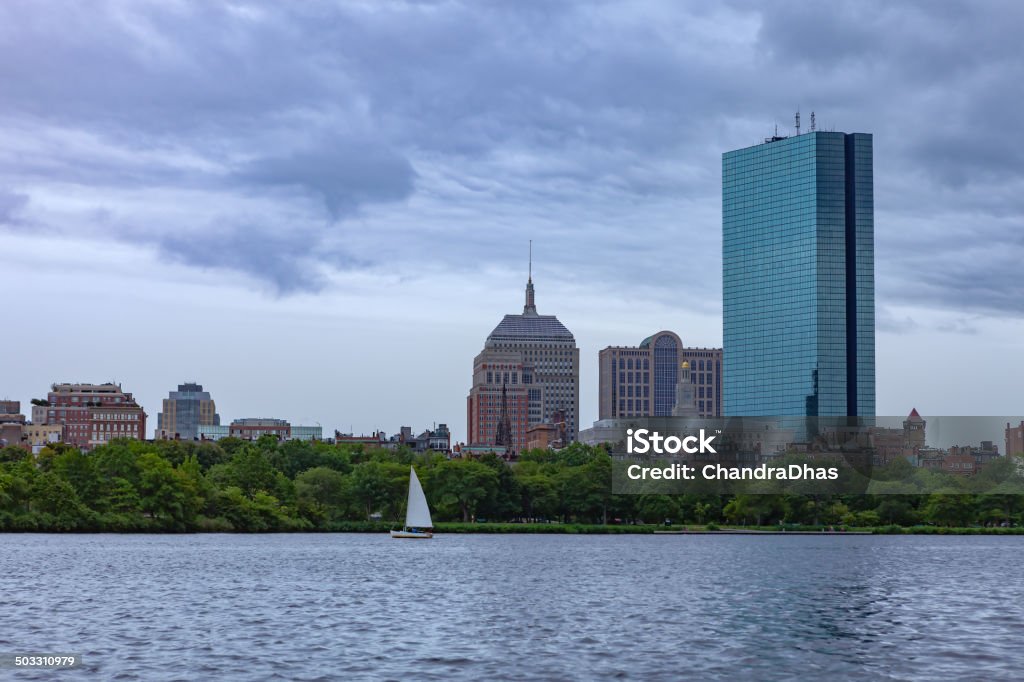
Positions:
(297, 486)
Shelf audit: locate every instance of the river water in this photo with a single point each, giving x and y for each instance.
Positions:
(345, 606)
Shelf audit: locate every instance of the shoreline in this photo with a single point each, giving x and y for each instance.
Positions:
(371, 527)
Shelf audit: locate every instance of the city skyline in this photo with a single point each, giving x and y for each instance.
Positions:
(306, 237)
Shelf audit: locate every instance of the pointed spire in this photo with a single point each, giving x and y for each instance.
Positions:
(503, 434)
(531, 307)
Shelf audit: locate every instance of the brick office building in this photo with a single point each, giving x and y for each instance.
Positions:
(92, 414)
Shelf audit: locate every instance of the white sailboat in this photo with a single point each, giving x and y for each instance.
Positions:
(417, 514)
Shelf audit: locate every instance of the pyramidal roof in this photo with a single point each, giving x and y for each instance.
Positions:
(530, 326)
(914, 416)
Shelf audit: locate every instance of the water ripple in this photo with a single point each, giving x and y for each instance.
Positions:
(324, 607)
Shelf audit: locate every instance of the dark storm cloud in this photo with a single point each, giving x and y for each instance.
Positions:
(597, 128)
(274, 255)
(344, 173)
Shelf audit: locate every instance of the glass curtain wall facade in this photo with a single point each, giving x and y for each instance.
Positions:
(798, 277)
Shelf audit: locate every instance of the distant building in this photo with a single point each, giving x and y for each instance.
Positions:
(548, 435)
(92, 414)
(959, 464)
(890, 445)
(307, 433)
(1014, 440)
(962, 460)
(798, 288)
(38, 436)
(542, 436)
(10, 413)
(252, 428)
(212, 431)
(184, 411)
(464, 451)
(528, 370)
(640, 381)
(375, 440)
(438, 439)
(11, 423)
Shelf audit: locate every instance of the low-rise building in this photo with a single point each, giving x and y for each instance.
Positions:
(307, 433)
(92, 414)
(959, 464)
(38, 436)
(476, 451)
(376, 440)
(212, 431)
(437, 439)
(252, 428)
(10, 434)
(542, 437)
(1014, 440)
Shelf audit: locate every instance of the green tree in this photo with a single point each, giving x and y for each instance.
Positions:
(54, 496)
(322, 494)
(371, 486)
(80, 471)
(165, 494)
(950, 510)
(250, 469)
(657, 508)
(464, 484)
(537, 493)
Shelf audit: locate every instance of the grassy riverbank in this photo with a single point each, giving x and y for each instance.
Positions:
(576, 528)
(640, 529)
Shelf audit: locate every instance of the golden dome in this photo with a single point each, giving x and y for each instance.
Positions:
(685, 365)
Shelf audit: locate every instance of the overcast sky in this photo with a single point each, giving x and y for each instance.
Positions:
(320, 210)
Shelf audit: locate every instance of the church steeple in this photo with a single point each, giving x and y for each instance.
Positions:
(531, 307)
(503, 434)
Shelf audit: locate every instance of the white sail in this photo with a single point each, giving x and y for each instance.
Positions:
(417, 513)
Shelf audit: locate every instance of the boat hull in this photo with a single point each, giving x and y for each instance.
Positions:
(411, 535)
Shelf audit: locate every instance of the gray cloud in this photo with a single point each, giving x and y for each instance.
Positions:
(344, 173)
(10, 204)
(358, 134)
(274, 255)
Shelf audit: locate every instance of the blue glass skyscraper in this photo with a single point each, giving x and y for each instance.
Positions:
(798, 277)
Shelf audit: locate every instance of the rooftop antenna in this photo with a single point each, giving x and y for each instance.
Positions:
(530, 275)
(797, 121)
(812, 122)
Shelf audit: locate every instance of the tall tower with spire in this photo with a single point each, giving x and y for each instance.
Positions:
(527, 373)
(531, 306)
